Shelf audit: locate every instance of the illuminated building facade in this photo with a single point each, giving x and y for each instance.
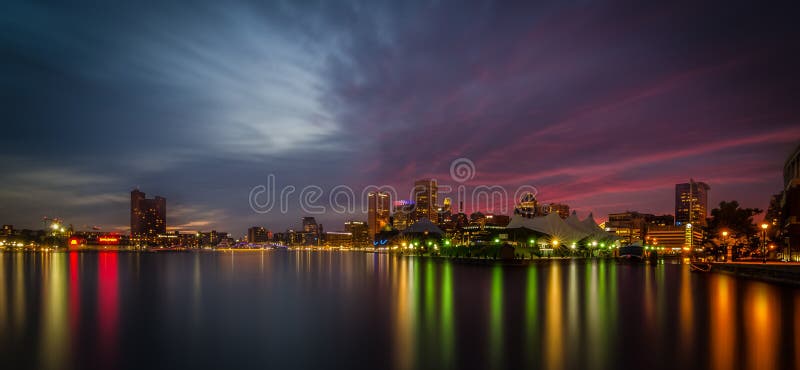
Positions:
(790, 205)
(7, 230)
(338, 239)
(691, 203)
(148, 216)
(378, 212)
(403, 215)
(359, 232)
(426, 193)
(629, 226)
(213, 237)
(311, 231)
(257, 234)
(527, 206)
(670, 237)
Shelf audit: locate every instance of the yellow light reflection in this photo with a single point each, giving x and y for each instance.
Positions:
(19, 293)
(406, 317)
(722, 293)
(596, 348)
(3, 301)
(54, 331)
(796, 330)
(762, 326)
(573, 307)
(686, 311)
(554, 351)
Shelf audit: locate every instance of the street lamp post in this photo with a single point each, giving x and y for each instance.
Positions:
(764, 227)
(728, 254)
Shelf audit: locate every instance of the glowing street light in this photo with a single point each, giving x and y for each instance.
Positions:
(764, 227)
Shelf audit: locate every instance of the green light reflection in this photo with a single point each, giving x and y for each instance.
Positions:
(496, 319)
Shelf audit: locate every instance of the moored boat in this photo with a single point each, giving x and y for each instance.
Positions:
(632, 252)
(700, 266)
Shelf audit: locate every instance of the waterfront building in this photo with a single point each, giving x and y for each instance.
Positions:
(359, 232)
(552, 231)
(790, 205)
(213, 238)
(310, 225)
(670, 237)
(7, 230)
(338, 239)
(403, 215)
(311, 232)
(691, 203)
(497, 220)
(426, 193)
(628, 226)
(148, 216)
(257, 234)
(378, 212)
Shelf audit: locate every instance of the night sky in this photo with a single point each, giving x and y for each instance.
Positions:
(601, 105)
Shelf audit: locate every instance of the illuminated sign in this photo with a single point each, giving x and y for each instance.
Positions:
(108, 240)
(400, 203)
(73, 241)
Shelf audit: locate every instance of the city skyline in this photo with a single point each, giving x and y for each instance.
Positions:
(603, 115)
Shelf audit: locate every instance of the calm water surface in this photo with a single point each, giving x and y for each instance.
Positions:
(295, 310)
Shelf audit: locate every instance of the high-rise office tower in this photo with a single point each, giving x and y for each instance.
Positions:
(148, 216)
(378, 212)
(257, 234)
(359, 232)
(691, 203)
(425, 197)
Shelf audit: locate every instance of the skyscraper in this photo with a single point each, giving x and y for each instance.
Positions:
(425, 196)
(359, 232)
(148, 216)
(378, 212)
(311, 231)
(691, 203)
(257, 234)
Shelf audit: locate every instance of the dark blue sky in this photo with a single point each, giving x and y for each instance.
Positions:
(602, 105)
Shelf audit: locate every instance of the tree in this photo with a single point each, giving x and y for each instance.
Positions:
(731, 217)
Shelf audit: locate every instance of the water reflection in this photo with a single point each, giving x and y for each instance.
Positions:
(762, 323)
(3, 300)
(107, 306)
(554, 351)
(54, 333)
(18, 315)
(80, 310)
(404, 317)
(447, 318)
(722, 320)
(686, 321)
(496, 319)
(532, 347)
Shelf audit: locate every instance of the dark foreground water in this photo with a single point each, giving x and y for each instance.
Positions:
(295, 310)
